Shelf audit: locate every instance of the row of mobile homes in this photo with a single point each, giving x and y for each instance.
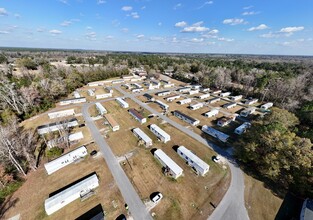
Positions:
(118, 81)
(162, 135)
(112, 123)
(122, 103)
(76, 94)
(211, 113)
(225, 121)
(164, 93)
(172, 98)
(71, 193)
(62, 140)
(204, 96)
(184, 101)
(216, 91)
(133, 112)
(193, 92)
(215, 133)
(65, 160)
(104, 96)
(184, 89)
(171, 168)
(196, 106)
(162, 105)
(91, 92)
(100, 108)
(236, 98)
(73, 101)
(214, 100)
(142, 136)
(230, 105)
(149, 97)
(193, 160)
(137, 90)
(248, 111)
(186, 118)
(60, 114)
(56, 126)
(242, 128)
(225, 94)
(251, 101)
(266, 106)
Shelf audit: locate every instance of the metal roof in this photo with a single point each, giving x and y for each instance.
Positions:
(136, 114)
(169, 162)
(111, 120)
(142, 135)
(186, 116)
(194, 158)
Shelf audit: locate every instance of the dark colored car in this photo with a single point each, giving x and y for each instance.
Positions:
(93, 153)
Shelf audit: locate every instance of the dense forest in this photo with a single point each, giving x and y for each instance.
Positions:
(276, 146)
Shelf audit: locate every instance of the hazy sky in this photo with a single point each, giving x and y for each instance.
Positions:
(218, 26)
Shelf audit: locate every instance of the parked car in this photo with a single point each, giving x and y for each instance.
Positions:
(93, 153)
(81, 125)
(157, 198)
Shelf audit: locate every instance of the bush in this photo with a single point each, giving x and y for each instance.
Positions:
(54, 152)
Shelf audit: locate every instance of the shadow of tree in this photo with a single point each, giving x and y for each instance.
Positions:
(6, 204)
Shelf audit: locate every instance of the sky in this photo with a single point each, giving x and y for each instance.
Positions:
(279, 27)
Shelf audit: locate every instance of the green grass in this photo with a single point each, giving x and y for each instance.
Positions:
(9, 189)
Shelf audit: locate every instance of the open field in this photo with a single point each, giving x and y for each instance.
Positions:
(31, 196)
(260, 202)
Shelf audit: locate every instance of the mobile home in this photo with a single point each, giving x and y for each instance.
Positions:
(186, 118)
(196, 106)
(172, 98)
(170, 166)
(149, 97)
(60, 114)
(73, 101)
(184, 89)
(122, 103)
(100, 108)
(184, 101)
(162, 105)
(133, 112)
(211, 113)
(251, 101)
(266, 106)
(214, 100)
(204, 96)
(248, 111)
(162, 135)
(230, 105)
(104, 96)
(242, 128)
(215, 133)
(56, 126)
(225, 121)
(142, 136)
(236, 98)
(76, 94)
(193, 92)
(113, 124)
(164, 93)
(91, 92)
(225, 94)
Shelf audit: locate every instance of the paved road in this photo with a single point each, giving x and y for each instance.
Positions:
(136, 206)
(232, 205)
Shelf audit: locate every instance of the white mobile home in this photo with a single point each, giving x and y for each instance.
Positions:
(196, 86)
(225, 121)
(137, 90)
(211, 113)
(162, 135)
(184, 101)
(204, 89)
(196, 106)
(164, 93)
(215, 133)
(266, 106)
(184, 89)
(153, 86)
(127, 86)
(211, 101)
(73, 101)
(186, 118)
(56, 126)
(103, 96)
(204, 96)
(172, 98)
(108, 89)
(242, 128)
(168, 85)
(193, 160)
(230, 105)
(92, 84)
(91, 92)
(162, 105)
(248, 111)
(216, 91)
(100, 108)
(236, 98)
(76, 94)
(122, 103)
(170, 166)
(136, 85)
(60, 114)
(113, 124)
(225, 94)
(251, 101)
(118, 81)
(65, 160)
(71, 193)
(133, 112)
(142, 136)
(149, 97)
(193, 92)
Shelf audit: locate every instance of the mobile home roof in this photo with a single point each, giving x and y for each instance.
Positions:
(194, 157)
(142, 135)
(168, 161)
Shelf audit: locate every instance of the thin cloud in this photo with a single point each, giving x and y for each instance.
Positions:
(89, 28)
(196, 27)
(258, 28)
(91, 36)
(64, 2)
(248, 7)
(197, 40)
(55, 32)
(4, 32)
(3, 12)
(127, 8)
(66, 23)
(99, 2)
(134, 15)
(140, 36)
(181, 24)
(177, 6)
(234, 21)
(205, 4)
(250, 13)
(291, 29)
(225, 39)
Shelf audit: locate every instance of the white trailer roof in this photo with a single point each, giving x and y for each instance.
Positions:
(52, 204)
(196, 105)
(215, 133)
(63, 113)
(142, 135)
(267, 105)
(100, 108)
(76, 136)
(120, 100)
(161, 103)
(160, 131)
(168, 161)
(194, 158)
(242, 128)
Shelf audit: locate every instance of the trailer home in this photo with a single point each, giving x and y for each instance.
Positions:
(149, 97)
(230, 105)
(214, 100)
(236, 98)
(108, 89)
(196, 106)
(225, 94)
(133, 112)
(136, 85)
(56, 126)
(216, 91)
(215, 133)
(204, 96)
(242, 128)
(76, 94)
(122, 103)
(65, 159)
(225, 121)
(251, 101)
(112, 123)
(100, 108)
(104, 96)
(73, 101)
(202, 89)
(137, 90)
(164, 93)
(60, 114)
(186, 118)
(266, 106)
(184, 89)
(184, 101)
(169, 85)
(70, 194)
(193, 92)
(118, 81)
(162, 135)
(171, 168)
(142, 136)
(91, 92)
(193, 160)
(211, 113)
(248, 111)
(162, 105)
(93, 84)
(172, 98)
